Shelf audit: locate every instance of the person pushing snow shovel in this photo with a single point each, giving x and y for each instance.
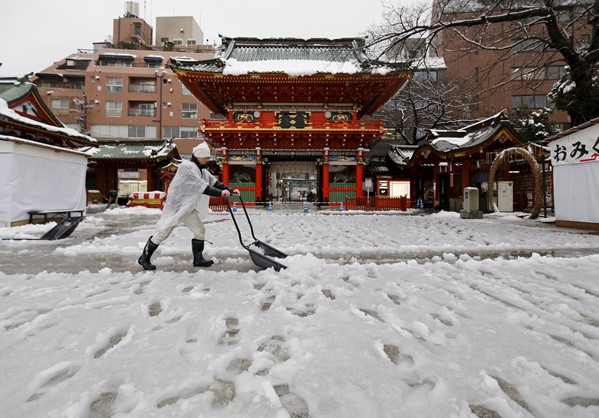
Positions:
(187, 202)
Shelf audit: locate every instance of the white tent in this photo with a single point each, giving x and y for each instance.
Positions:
(575, 159)
(39, 177)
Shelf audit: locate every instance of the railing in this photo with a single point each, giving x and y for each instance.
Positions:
(217, 204)
(377, 203)
(142, 112)
(142, 88)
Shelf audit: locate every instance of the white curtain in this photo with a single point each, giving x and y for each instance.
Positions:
(576, 192)
(47, 180)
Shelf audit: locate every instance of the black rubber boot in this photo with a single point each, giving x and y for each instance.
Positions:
(197, 247)
(144, 259)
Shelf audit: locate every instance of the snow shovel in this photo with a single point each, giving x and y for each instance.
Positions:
(62, 230)
(262, 260)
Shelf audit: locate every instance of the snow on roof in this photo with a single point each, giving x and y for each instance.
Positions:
(41, 145)
(117, 54)
(295, 67)
(11, 114)
(461, 141)
(134, 149)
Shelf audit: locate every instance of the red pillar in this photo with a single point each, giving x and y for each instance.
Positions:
(325, 175)
(225, 173)
(359, 170)
(258, 174)
(150, 175)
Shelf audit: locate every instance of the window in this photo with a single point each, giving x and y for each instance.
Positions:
(191, 42)
(189, 132)
(137, 132)
(114, 109)
(537, 101)
(180, 132)
(170, 132)
(555, 72)
(528, 45)
(147, 109)
(137, 29)
(189, 111)
(114, 84)
(142, 85)
(425, 75)
(60, 107)
(163, 40)
(178, 41)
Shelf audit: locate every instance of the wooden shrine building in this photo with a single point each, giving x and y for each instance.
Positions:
(450, 160)
(113, 159)
(290, 116)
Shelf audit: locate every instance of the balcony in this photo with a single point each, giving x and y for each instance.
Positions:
(146, 112)
(142, 88)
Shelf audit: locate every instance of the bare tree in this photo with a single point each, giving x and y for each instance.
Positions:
(543, 33)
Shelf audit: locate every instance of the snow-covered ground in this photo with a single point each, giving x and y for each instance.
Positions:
(377, 315)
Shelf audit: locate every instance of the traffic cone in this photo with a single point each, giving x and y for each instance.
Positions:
(234, 207)
(341, 208)
(270, 206)
(305, 207)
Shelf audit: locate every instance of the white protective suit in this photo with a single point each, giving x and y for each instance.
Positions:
(185, 195)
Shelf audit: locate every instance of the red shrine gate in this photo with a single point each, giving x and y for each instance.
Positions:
(291, 113)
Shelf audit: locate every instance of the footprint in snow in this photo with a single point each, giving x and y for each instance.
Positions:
(231, 334)
(52, 377)
(295, 405)
(103, 405)
(112, 342)
(268, 303)
(396, 356)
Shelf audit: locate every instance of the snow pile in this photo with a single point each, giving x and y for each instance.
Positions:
(377, 315)
(296, 67)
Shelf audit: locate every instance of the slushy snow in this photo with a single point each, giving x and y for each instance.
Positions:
(377, 315)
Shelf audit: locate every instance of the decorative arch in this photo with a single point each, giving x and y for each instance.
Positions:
(536, 175)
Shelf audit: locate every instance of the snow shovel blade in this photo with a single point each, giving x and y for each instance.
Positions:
(63, 229)
(265, 262)
(269, 250)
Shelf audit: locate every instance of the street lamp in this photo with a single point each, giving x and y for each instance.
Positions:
(159, 75)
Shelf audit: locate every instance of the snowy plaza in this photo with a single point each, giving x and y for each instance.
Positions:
(397, 314)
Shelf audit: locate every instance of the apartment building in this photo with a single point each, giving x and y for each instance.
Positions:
(517, 71)
(178, 31)
(126, 94)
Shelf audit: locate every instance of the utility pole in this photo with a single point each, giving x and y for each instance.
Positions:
(159, 77)
(82, 118)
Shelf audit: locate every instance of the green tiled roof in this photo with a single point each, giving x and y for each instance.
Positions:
(135, 150)
(343, 50)
(11, 91)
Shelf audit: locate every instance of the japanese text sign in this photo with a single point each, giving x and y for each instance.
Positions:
(578, 147)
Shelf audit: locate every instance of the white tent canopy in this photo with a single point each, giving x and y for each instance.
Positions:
(39, 177)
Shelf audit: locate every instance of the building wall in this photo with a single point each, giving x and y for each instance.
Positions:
(481, 72)
(120, 98)
(178, 28)
(136, 30)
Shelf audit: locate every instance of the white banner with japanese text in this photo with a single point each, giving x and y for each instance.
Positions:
(578, 147)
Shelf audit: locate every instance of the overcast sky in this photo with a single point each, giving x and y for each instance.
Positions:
(36, 33)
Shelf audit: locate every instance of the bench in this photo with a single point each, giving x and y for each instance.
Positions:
(50, 214)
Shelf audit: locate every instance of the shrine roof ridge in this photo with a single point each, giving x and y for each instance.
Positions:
(294, 56)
